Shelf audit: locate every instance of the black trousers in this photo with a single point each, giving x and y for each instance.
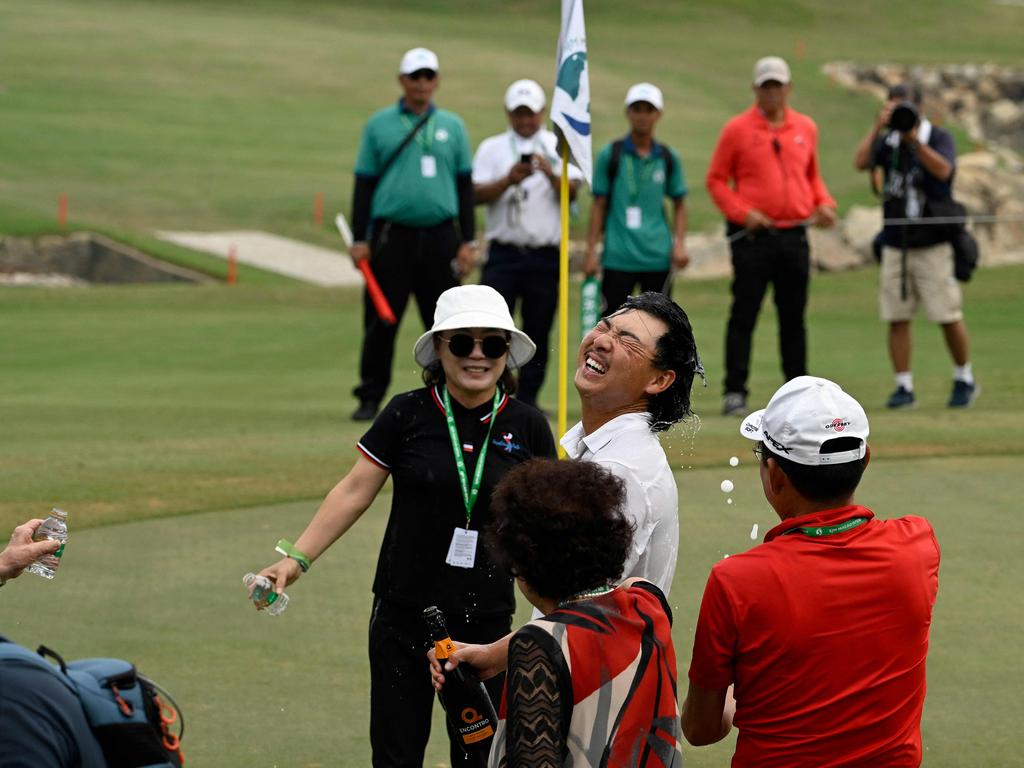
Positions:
(617, 285)
(528, 276)
(781, 258)
(405, 260)
(401, 694)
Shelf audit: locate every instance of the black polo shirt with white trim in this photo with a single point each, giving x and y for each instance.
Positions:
(410, 439)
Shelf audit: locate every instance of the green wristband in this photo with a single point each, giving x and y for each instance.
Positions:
(288, 549)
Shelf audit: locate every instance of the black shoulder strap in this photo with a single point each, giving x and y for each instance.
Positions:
(613, 171)
(405, 143)
(670, 164)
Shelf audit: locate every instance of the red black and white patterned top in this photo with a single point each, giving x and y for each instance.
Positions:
(593, 684)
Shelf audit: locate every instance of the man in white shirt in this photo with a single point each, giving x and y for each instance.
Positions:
(517, 175)
(634, 374)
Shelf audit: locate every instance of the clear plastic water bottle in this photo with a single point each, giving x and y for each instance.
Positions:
(54, 527)
(264, 596)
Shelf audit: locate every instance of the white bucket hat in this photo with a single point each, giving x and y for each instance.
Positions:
(474, 306)
(803, 414)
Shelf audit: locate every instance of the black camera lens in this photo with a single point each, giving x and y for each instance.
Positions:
(904, 117)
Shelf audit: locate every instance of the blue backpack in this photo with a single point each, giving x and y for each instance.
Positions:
(130, 715)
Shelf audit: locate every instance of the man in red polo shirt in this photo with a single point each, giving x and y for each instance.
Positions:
(764, 177)
(813, 643)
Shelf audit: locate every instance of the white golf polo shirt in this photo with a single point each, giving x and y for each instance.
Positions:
(526, 214)
(627, 448)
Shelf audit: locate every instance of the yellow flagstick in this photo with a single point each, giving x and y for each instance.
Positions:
(563, 299)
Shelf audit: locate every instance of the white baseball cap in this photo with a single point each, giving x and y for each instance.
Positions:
(771, 68)
(417, 59)
(474, 306)
(802, 415)
(645, 92)
(525, 93)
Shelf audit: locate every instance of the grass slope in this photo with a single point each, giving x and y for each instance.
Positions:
(213, 115)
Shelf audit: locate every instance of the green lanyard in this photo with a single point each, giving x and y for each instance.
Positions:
(645, 174)
(469, 494)
(830, 530)
(425, 141)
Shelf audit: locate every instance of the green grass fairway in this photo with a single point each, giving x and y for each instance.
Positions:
(293, 691)
(187, 429)
(222, 114)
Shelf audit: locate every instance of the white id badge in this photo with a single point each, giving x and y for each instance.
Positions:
(428, 166)
(462, 550)
(633, 217)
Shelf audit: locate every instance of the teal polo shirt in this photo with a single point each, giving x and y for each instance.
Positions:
(639, 182)
(405, 194)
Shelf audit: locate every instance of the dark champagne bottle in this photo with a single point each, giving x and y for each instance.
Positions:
(464, 698)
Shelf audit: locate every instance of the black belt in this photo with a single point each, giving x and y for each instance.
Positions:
(731, 228)
(522, 248)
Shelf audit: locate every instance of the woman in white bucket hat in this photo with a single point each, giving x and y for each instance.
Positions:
(445, 446)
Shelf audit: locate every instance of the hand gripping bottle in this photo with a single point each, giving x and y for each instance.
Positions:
(54, 527)
(464, 698)
(264, 596)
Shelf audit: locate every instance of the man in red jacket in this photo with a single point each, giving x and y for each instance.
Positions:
(764, 178)
(814, 643)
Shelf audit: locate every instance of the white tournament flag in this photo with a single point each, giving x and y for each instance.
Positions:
(570, 104)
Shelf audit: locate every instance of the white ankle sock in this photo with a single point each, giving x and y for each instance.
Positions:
(963, 373)
(905, 380)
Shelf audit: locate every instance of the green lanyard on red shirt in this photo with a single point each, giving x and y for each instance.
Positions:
(469, 494)
(829, 530)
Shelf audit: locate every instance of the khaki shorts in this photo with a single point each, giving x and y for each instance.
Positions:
(930, 282)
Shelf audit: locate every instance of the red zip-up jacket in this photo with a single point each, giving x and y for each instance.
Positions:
(774, 170)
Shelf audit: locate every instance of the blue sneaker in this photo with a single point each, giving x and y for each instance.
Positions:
(901, 398)
(963, 394)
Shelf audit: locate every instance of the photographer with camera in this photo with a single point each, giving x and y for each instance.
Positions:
(517, 174)
(917, 161)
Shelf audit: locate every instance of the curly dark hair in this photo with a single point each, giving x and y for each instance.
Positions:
(676, 350)
(559, 526)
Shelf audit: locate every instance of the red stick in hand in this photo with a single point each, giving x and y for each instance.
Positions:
(376, 294)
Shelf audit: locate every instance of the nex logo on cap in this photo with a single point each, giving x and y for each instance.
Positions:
(775, 443)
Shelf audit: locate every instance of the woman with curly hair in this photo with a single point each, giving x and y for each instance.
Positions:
(592, 682)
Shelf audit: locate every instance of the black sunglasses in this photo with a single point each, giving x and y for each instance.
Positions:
(462, 344)
(421, 74)
(761, 452)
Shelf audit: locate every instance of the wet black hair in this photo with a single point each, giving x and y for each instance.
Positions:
(676, 350)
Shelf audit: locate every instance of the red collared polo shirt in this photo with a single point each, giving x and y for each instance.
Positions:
(825, 639)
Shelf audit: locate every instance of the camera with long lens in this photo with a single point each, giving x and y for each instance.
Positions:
(904, 117)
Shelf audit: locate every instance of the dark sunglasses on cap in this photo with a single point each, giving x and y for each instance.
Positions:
(462, 344)
(421, 74)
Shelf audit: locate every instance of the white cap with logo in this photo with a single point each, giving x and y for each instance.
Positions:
(771, 68)
(645, 92)
(802, 415)
(416, 59)
(525, 93)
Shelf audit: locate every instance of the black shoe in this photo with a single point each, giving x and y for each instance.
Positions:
(963, 394)
(734, 404)
(901, 398)
(366, 411)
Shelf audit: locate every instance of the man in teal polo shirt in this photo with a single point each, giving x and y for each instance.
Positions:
(413, 181)
(631, 178)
